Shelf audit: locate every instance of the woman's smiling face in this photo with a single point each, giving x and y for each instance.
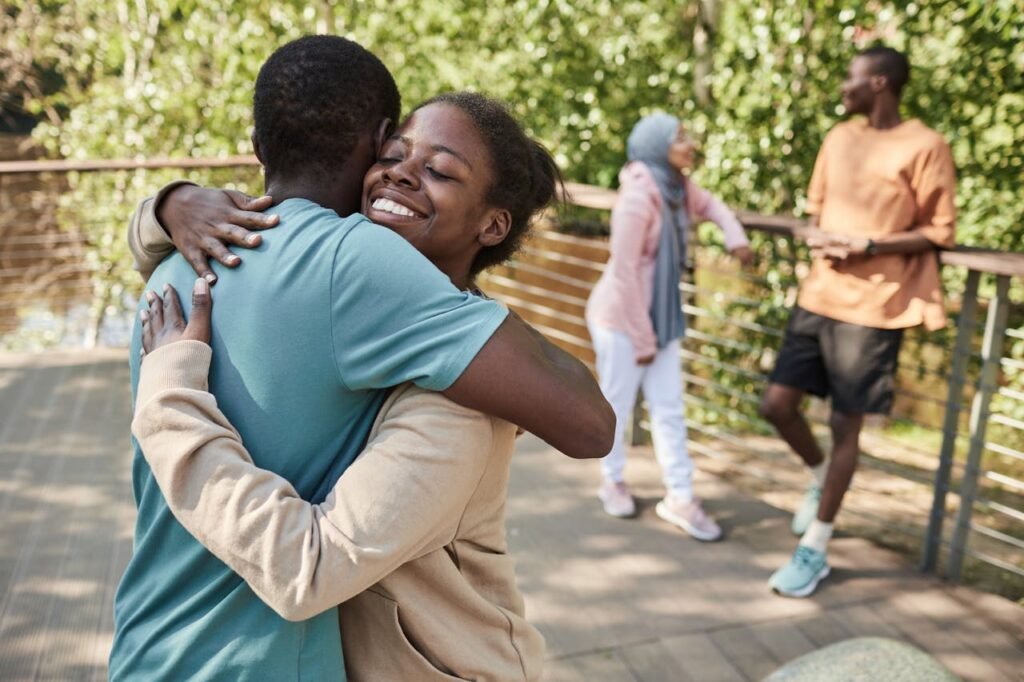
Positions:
(430, 185)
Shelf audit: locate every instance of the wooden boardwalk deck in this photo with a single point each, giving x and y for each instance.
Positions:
(617, 600)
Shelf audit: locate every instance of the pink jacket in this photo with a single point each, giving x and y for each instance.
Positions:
(621, 299)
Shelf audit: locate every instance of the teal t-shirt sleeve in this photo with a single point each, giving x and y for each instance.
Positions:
(395, 317)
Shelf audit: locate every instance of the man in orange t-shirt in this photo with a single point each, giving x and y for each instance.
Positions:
(881, 204)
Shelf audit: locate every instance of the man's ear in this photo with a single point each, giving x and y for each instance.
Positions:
(879, 83)
(496, 229)
(384, 131)
(256, 148)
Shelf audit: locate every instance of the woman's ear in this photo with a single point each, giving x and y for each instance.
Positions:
(496, 229)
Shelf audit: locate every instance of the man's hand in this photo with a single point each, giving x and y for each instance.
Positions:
(201, 222)
(163, 322)
(837, 247)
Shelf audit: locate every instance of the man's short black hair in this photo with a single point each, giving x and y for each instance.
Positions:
(890, 63)
(314, 97)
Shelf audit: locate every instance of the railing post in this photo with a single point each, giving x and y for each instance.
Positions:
(991, 352)
(951, 425)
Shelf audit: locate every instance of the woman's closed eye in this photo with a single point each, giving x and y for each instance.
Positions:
(438, 174)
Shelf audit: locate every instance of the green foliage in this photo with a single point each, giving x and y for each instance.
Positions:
(757, 80)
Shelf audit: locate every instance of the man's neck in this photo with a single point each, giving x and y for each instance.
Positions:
(885, 114)
(340, 194)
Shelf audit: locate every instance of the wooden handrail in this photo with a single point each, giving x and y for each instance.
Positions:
(95, 165)
(971, 257)
(992, 261)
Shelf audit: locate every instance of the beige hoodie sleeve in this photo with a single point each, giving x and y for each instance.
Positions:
(403, 497)
(147, 240)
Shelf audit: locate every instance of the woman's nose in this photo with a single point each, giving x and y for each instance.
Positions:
(402, 173)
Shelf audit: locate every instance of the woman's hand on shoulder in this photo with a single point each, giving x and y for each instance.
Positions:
(163, 322)
(203, 222)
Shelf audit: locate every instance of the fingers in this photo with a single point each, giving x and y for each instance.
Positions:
(202, 306)
(156, 312)
(200, 263)
(216, 249)
(163, 321)
(246, 202)
(147, 331)
(250, 211)
(835, 252)
(173, 317)
(239, 236)
(256, 221)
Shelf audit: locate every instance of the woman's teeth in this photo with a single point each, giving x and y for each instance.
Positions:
(389, 206)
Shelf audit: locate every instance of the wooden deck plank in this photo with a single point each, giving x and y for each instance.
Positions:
(861, 620)
(30, 555)
(927, 635)
(605, 665)
(91, 543)
(700, 660)
(745, 652)
(67, 483)
(1002, 657)
(562, 670)
(651, 662)
(823, 630)
(617, 600)
(783, 639)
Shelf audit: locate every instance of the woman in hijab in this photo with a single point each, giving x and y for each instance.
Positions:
(635, 314)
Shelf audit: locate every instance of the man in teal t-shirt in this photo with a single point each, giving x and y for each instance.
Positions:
(339, 307)
(327, 315)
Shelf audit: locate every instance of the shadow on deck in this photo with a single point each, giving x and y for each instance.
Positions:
(616, 600)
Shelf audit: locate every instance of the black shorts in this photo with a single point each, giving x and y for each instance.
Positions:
(853, 364)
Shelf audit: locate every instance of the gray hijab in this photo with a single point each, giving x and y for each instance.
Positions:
(648, 144)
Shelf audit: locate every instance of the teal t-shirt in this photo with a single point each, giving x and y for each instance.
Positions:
(308, 335)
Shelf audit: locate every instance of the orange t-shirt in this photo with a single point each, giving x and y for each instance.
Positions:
(872, 183)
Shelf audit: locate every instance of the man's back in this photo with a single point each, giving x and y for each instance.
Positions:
(298, 364)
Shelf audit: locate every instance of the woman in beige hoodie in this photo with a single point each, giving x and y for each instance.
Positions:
(412, 537)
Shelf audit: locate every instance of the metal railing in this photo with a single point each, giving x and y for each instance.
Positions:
(65, 271)
(968, 471)
(936, 478)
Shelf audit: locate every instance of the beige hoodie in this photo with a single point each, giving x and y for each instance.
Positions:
(412, 538)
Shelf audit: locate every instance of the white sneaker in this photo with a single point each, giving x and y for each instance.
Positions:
(689, 516)
(616, 500)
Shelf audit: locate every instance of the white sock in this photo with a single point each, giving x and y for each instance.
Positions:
(819, 472)
(817, 535)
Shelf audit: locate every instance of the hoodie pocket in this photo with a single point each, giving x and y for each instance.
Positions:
(383, 631)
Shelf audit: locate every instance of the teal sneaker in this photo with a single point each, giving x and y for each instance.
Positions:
(800, 577)
(808, 510)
